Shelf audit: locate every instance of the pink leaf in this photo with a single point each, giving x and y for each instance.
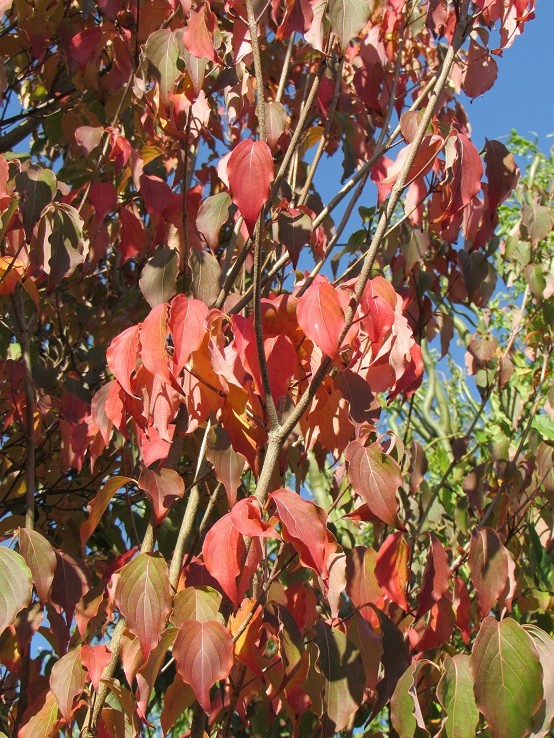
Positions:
(222, 552)
(95, 659)
(67, 681)
(164, 488)
(304, 525)
(391, 569)
(198, 35)
(203, 654)
(247, 519)
(436, 577)
(153, 337)
(122, 357)
(321, 316)
(187, 325)
(143, 597)
(250, 172)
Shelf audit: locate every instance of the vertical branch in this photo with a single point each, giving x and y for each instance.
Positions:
(325, 138)
(24, 336)
(258, 233)
(278, 436)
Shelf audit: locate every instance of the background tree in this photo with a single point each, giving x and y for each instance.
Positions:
(242, 492)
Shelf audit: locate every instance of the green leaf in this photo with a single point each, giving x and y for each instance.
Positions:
(342, 675)
(158, 281)
(406, 715)
(212, 216)
(16, 586)
(40, 558)
(162, 51)
(348, 17)
(36, 187)
(455, 693)
(508, 677)
(544, 426)
(545, 714)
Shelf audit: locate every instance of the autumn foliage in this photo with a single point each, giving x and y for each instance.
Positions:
(237, 496)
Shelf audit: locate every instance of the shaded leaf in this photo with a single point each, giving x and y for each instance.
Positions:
(228, 465)
(159, 276)
(488, 566)
(436, 577)
(212, 216)
(348, 17)
(97, 506)
(162, 51)
(502, 172)
(36, 187)
(206, 276)
(343, 675)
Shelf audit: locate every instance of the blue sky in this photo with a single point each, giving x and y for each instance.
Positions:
(523, 95)
(521, 98)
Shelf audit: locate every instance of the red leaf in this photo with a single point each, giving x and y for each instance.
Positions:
(435, 577)
(375, 477)
(95, 659)
(488, 566)
(83, 45)
(156, 193)
(250, 172)
(304, 525)
(143, 597)
(164, 488)
(198, 35)
(463, 159)
(391, 569)
(153, 337)
(462, 605)
(247, 519)
(422, 164)
(481, 71)
(222, 552)
(122, 357)
(502, 173)
(71, 582)
(187, 325)
(361, 583)
(321, 316)
(103, 197)
(203, 654)
(440, 627)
